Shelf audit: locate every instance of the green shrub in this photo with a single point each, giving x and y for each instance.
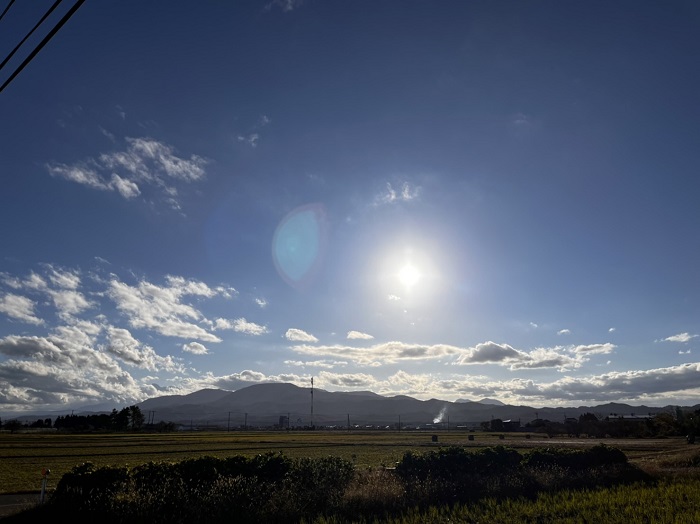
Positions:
(315, 486)
(89, 488)
(597, 456)
(454, 474)
(268, 487)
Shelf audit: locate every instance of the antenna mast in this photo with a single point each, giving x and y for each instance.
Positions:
(312, 402)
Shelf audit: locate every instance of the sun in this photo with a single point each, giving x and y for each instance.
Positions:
(409, 275)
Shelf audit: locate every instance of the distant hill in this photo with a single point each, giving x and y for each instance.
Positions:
(264, 404)
(203, 396)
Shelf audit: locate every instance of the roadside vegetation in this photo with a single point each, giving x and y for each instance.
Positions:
(547, 474)
(446, 484)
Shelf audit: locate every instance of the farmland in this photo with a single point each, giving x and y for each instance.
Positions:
(24, 455)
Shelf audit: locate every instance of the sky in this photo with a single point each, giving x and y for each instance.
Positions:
(441, 199)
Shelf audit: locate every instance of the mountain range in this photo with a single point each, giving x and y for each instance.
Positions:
(269, 404)
(279, 403)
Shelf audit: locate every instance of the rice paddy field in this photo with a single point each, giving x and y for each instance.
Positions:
(23, 456)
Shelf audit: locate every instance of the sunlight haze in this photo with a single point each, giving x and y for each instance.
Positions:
(440, 199)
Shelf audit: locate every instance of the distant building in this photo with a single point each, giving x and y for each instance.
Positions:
(511, 425)
(284, 421)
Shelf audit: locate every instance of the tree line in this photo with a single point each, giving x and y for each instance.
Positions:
(681, 423)
(127, 419)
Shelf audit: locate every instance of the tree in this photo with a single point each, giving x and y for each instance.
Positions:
(13, 425)
(496, 424)
(137, 418)
(129, 418)
(121, 419)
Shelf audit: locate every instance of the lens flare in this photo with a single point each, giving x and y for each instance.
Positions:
(299, 244)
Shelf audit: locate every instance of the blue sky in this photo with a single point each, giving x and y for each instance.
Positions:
(439, 199)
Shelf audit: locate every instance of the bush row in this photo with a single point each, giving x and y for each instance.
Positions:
(454, 474)
(269, 487)
(274, 488)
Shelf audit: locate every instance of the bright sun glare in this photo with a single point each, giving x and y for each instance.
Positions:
(409, 275)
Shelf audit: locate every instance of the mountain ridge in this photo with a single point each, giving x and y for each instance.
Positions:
(269, 404)
(264, 404)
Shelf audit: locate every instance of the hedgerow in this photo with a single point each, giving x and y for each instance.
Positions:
(274, 488)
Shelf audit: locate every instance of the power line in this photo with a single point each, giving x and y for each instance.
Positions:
(7, 8)
(54, 6)
(46, 39)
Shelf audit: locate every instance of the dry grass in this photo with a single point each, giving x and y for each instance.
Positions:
(23, 456)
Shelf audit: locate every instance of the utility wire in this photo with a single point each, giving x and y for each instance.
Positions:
(46, 39)
(7, 8)
(54, 6)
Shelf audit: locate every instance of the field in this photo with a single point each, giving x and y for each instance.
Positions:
(23, 456)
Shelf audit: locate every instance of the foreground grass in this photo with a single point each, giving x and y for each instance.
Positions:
(377, 497)
(24, 455)
(449, 483)
(671, 501)
(375, 493)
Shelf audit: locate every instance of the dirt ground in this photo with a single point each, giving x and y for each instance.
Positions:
(11, 504)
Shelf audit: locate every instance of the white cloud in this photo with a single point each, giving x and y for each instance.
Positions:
(681, 352)
(106, 133)
(69, 367)
(562, 358)
(126, 188)
(196, 348)
(284, 5)
(85, 360)
(164, 160)
(357, 335)
(520, 119)
(659, 385)
(298, 335)
(533, 325)
(261, 302)
(564, 332)
(69, 303)
(124, 346)
(611, 330)
(626, 384)
(64, 279)
(385, 353)
(20, 308)
(490, 352)
(248, 377)
(346, 380)
(79, 173)
(404, 193)
(222, 323)
(251, 139)
(161, 308)
(680, 337)
(328, 364)
(183, 286)
(144, 163)
(595, 349)
(394, 297)
(240, 325)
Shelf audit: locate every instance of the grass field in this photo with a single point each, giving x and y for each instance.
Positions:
(24, 455)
